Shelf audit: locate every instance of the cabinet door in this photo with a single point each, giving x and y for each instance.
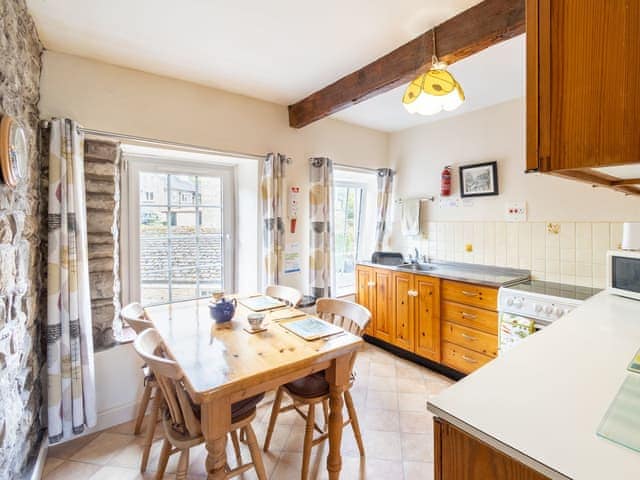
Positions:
(583, 72)
(383, 328)
(365, 293)
(403, 302)
(427, 317)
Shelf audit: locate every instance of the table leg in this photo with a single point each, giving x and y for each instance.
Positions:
(216, 421)
(338, 377)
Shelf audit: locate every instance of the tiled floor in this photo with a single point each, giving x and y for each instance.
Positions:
(390, 396)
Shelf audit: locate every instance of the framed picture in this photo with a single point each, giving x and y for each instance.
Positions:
(479, 180)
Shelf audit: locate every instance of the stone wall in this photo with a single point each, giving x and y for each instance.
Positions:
(21, 356)
(102, 160)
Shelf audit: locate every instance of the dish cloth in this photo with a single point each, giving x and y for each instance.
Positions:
(410, 220)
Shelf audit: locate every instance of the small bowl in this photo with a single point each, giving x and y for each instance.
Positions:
(255, 320)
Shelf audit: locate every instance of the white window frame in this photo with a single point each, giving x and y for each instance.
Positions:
(130, 218)
(363, 207)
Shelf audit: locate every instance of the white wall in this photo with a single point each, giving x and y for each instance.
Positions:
(106, 97)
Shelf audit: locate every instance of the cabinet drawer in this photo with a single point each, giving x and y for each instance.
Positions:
(462, 359)
(470, 338)
(470, 294)
(470, 317)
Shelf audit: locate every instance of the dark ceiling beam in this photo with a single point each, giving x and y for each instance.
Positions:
(481, 26)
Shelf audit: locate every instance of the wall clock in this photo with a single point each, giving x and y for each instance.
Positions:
(14, 153)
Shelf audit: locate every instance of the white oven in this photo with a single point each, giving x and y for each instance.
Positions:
(623, 273)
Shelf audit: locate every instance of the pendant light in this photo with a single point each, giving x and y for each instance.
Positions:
(433, 91)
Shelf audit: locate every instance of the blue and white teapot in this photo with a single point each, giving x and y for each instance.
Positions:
(222, 310)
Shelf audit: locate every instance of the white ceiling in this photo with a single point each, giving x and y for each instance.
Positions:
(276, 50)
(492, 76)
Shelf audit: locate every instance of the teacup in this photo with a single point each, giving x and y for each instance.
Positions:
(255, 320)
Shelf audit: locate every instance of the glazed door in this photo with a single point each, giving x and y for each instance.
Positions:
(403, 303)
(383, 327)
(427, 316)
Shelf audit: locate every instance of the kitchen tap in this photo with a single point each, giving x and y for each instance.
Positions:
(416, 256)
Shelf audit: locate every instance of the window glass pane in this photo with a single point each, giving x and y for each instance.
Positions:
(210, 219)
(211, 264)
(184, 251)
(154, 287)
(153, 221)
(183, 190)
(348, 202)
(153, 189)
(182, 220)
(184, 284)
(154, 256)
(210, 189)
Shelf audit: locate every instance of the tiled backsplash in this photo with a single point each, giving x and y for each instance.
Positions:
(565, 252)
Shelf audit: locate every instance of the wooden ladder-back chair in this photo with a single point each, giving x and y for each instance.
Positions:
(133, 314)
(181, 420)
(314, 389)
(288, 294)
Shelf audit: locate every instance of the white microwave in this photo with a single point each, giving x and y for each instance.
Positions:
(623, 273)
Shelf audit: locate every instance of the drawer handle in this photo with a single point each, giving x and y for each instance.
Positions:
(468, 337)
(469, 359)
(469, 294)
(371, 284)
(468, 316)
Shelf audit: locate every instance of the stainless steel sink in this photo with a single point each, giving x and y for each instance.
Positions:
(417, 267)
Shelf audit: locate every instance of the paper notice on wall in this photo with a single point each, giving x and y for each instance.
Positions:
(292, 258)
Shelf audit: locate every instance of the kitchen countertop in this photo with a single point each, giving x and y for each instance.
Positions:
(466, 272)
(543, 401)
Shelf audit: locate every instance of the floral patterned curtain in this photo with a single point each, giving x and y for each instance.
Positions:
(385, 185)
(321, 274)
(70, 368)
(272, 187)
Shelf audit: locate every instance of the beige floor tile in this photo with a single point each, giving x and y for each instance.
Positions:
(118, 473)
(382, 445)
(418, 471)
(381, 420)
(68, 449)
(131, 455)
(50, 464)
(412, 402)
(417, 447)
(409, 372)
(416, 422)
(103, 448)
(126, 428)
(384, 384)
(410, 385)
(382, 369)
(69, 470)
(370, 469)
(382, 400)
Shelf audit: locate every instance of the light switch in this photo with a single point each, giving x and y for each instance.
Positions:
(515, 212)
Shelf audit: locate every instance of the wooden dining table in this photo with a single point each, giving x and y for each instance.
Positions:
(225, 365)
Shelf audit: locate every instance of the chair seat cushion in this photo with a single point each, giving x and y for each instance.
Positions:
(243, 407)
(311, 386)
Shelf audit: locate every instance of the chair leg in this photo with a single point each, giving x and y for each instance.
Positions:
(236, 444)
(325, 412)
(151, 429)
(183, 465)
(256, 455)
(164, 458)
(348, 400)
(308, 440)
(142, 409)
(275, 410)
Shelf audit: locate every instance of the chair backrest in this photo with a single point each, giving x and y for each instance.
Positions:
(289, 294)
(133, 314)
(349, 315)
(169, 375)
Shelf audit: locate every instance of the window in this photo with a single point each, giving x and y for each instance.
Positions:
(349, 209)
(180, 231)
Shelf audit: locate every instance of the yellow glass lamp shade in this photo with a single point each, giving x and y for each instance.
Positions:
(433, 92)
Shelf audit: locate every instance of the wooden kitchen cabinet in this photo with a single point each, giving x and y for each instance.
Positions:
(427, 317)
(460, 456)
(403, 307)
(583, 72)
(365, 293)
(383, 306)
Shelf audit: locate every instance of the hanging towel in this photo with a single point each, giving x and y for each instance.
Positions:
(411, 216)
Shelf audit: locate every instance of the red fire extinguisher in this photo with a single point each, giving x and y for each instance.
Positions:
(445, 182)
